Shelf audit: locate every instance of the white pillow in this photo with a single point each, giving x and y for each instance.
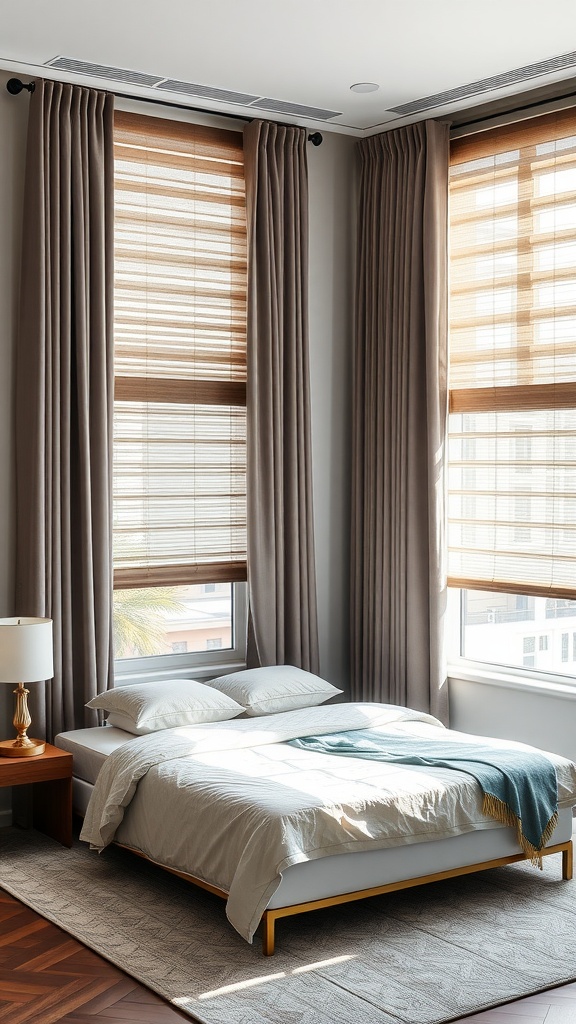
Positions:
(264, 691)
(148, 707)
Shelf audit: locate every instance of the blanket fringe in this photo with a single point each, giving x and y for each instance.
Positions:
(493, 807)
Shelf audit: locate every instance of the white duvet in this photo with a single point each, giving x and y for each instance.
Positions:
(233, 804)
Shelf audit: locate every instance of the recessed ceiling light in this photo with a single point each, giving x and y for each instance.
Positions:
(364, 87)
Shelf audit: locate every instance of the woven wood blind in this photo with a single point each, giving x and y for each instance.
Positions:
(512, 476)
(180, 354)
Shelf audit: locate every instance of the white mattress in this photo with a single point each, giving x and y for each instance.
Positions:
(90, 748)
(350, 872)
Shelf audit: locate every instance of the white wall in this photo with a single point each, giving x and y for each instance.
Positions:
(13, 124)
(543, 719)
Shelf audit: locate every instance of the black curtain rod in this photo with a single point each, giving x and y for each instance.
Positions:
(15, 86)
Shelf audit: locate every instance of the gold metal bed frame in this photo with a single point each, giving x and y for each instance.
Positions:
(270, 917)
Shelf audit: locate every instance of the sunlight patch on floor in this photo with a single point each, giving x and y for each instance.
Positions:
(262, 979)
(237, 986)
(324, 963)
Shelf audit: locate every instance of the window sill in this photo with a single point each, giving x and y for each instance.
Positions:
(510, 679)
(198, 672)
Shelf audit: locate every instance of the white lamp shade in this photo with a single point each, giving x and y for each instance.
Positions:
(26, 651)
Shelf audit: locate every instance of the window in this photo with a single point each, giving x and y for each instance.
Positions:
(528, 650)
(180, 388)
(512, 503)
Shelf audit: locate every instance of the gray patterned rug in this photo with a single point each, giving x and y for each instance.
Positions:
(421, 956)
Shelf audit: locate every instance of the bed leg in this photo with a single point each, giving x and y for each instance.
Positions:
(268, 922)
(567, 862)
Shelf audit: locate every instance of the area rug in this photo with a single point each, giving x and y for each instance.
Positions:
(421, 956)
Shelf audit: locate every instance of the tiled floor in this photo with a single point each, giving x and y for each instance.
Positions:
(556, 1006)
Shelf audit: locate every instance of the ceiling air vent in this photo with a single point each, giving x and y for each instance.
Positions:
(282, 107)
(81, 67)
(206, 92)
(439, 99)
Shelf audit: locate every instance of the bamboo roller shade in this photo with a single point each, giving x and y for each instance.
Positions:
(512, 458)
(180, 354)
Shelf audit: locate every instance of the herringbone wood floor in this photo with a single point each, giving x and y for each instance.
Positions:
(47, 977)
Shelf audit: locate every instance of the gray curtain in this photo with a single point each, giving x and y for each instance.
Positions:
(64, 395)
(281, 570)
(400, 413)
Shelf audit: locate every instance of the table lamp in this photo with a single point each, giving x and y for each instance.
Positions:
(26, 656)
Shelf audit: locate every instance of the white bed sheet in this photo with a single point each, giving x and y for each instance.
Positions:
(91, 747)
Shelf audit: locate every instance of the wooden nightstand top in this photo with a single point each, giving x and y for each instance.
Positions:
(52, 764)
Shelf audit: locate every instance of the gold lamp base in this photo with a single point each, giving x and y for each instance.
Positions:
(22, 746)
(12, 748)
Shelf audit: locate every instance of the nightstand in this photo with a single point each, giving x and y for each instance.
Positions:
(44, 794)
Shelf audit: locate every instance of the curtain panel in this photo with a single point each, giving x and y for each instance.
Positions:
(280, 542)
(64, 395)
(399, 420)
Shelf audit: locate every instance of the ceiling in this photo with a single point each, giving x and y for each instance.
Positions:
(303, 53)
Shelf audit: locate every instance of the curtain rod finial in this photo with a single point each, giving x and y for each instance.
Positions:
(315, 139)
(15, 86)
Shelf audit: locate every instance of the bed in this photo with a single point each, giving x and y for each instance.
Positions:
(232, 806)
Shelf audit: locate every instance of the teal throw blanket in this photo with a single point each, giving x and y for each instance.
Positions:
(519, 786)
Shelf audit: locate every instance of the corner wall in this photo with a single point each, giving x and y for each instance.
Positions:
(545, 719)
